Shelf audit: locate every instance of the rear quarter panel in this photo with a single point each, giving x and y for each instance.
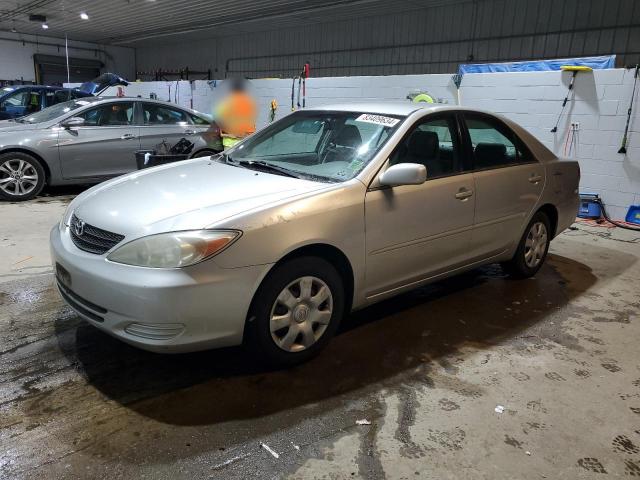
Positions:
(561, 190)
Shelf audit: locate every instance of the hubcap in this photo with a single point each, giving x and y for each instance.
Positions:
(301, 313)
(535, 245)
(18, 177)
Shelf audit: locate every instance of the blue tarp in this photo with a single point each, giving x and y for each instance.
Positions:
(597, 63)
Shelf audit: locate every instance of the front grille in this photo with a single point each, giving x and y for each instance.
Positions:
(92, 239)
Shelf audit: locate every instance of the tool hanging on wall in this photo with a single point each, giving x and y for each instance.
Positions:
(293, 89)
(420, 97)
(571, 140)
(574, 69)
(299, 88)
(623, 147)
(272, 110)
(305, 75)
(457, 81)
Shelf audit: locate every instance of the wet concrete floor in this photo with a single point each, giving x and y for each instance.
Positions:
(558, 352)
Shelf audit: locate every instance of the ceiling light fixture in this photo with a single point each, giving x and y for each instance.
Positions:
(45, 26)
(84, 16)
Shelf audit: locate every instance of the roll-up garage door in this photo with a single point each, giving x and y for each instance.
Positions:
(52, 70)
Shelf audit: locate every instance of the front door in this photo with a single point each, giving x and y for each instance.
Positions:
(414, 232)
(509, 182)
(104, 146)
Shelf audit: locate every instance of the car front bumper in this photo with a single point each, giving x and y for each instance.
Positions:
(162, 310)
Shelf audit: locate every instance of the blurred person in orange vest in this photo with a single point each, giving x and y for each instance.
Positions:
(236, 114)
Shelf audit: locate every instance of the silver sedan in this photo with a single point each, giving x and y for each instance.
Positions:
(92, 139)
(321, 213)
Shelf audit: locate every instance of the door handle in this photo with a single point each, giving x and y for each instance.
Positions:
(463, 194)
(535, 178)
(127, 136)
(189, 132)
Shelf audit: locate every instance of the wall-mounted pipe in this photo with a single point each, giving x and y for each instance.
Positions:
(57, 45)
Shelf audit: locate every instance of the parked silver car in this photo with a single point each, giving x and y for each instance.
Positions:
(92, 139)
(323, 212)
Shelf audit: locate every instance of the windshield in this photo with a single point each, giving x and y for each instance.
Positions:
(55, 111)
(331, 146)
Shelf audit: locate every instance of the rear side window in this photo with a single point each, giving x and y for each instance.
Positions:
(160, 115)
(494, 145)
(199, 120)
(57, 96)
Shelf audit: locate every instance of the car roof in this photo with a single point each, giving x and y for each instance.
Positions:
(138, 99)
(390, 108)
(21, 87)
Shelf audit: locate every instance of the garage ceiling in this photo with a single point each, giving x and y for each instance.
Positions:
(137, 22)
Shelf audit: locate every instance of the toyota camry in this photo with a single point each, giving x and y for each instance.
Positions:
(323, 212)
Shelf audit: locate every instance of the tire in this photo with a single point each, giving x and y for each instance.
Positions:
(204, 153)
(301, 327)
(532, 249)
(21, 176)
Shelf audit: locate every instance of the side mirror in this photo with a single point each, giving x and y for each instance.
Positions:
(72, 122)
(403, 174)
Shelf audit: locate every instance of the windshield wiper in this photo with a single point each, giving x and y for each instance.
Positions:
(264, 167)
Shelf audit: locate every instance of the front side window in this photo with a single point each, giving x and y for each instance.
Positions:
(494, 145)
(433, 143)
(329, 146)
(160, 115)
(109, 115)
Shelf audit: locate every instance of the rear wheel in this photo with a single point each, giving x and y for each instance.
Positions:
(21, 176)
(296, 311)
(532, 249)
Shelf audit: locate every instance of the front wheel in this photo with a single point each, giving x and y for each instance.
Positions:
(21, 176)
(296, 311)
(532, 249)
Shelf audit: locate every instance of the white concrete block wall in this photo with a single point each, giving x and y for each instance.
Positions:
(532, 99)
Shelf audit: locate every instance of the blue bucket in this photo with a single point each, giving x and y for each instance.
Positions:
(633, 215)
(589, 206)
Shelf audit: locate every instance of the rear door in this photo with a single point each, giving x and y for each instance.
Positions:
(170, 124)
(104, 146)
(509, 182)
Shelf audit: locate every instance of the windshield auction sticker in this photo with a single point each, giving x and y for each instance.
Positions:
(377, 119)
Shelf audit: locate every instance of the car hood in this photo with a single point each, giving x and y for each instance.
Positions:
(193, 194)
(9, 127)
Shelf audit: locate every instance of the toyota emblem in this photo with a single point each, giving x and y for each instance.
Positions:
(78, 227)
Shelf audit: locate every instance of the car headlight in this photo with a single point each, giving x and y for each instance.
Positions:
(175, 249)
